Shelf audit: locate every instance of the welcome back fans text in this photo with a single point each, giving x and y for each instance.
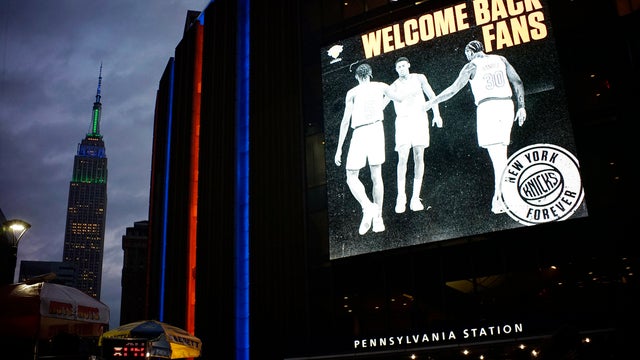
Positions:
(504, 23)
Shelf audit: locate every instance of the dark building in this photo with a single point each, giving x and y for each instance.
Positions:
(7, 262)
(134, 272)
(87, 207)
(11, 232)
(239, 209)
(54, 271)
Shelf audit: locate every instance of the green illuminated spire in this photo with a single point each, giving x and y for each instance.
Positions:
(97, 109)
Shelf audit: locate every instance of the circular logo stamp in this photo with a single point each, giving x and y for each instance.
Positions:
(541, 183)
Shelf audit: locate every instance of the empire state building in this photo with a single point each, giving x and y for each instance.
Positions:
(87, 207)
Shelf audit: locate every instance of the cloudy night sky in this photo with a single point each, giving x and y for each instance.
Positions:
(50, 56)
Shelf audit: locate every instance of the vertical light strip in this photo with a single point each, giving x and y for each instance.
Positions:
(95, 122)
(165, 204)
(193, 180)
(241, 260)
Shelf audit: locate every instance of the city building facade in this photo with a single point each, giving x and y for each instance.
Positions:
(87, 206)
(134, 272)
(244, 251)
(51, 271)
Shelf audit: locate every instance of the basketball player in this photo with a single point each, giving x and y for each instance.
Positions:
(486, 74)
(364, 105)
(412, 129)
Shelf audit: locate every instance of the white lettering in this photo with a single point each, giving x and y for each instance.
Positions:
(434, 337)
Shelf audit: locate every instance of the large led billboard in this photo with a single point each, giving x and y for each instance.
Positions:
(447, 124)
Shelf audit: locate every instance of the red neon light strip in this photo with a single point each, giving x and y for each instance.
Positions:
(193, 180)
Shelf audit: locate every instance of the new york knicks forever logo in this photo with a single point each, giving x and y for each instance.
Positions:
(541, 183)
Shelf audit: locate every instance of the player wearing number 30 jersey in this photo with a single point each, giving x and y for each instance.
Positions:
(493, 82)
(492, 94)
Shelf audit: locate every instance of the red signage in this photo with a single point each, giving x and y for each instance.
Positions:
(60, 308)
(128, 350)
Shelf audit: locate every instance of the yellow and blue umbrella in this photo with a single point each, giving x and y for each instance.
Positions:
(161, 339)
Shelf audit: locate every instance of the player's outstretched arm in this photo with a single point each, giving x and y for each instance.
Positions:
(344, 126)
(428, 90)
(518, 90)
(462, 80)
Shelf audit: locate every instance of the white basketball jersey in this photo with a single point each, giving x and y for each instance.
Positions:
(490, 79)
(367, 104)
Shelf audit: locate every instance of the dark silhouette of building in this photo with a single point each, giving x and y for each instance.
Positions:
(238, 243)
(59, 272)
(134, 272)
(11, 231)
(87, 206)
(6, 255)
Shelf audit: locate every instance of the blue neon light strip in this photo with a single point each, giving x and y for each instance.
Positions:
(165, 205)
(241, 262)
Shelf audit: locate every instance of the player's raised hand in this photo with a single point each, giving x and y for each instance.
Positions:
(437, 121)
(521, 116)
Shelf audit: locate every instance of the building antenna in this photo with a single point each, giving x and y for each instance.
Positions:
(97, 109)
(99, 84)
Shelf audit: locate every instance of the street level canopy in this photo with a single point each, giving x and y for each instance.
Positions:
(43, 310)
